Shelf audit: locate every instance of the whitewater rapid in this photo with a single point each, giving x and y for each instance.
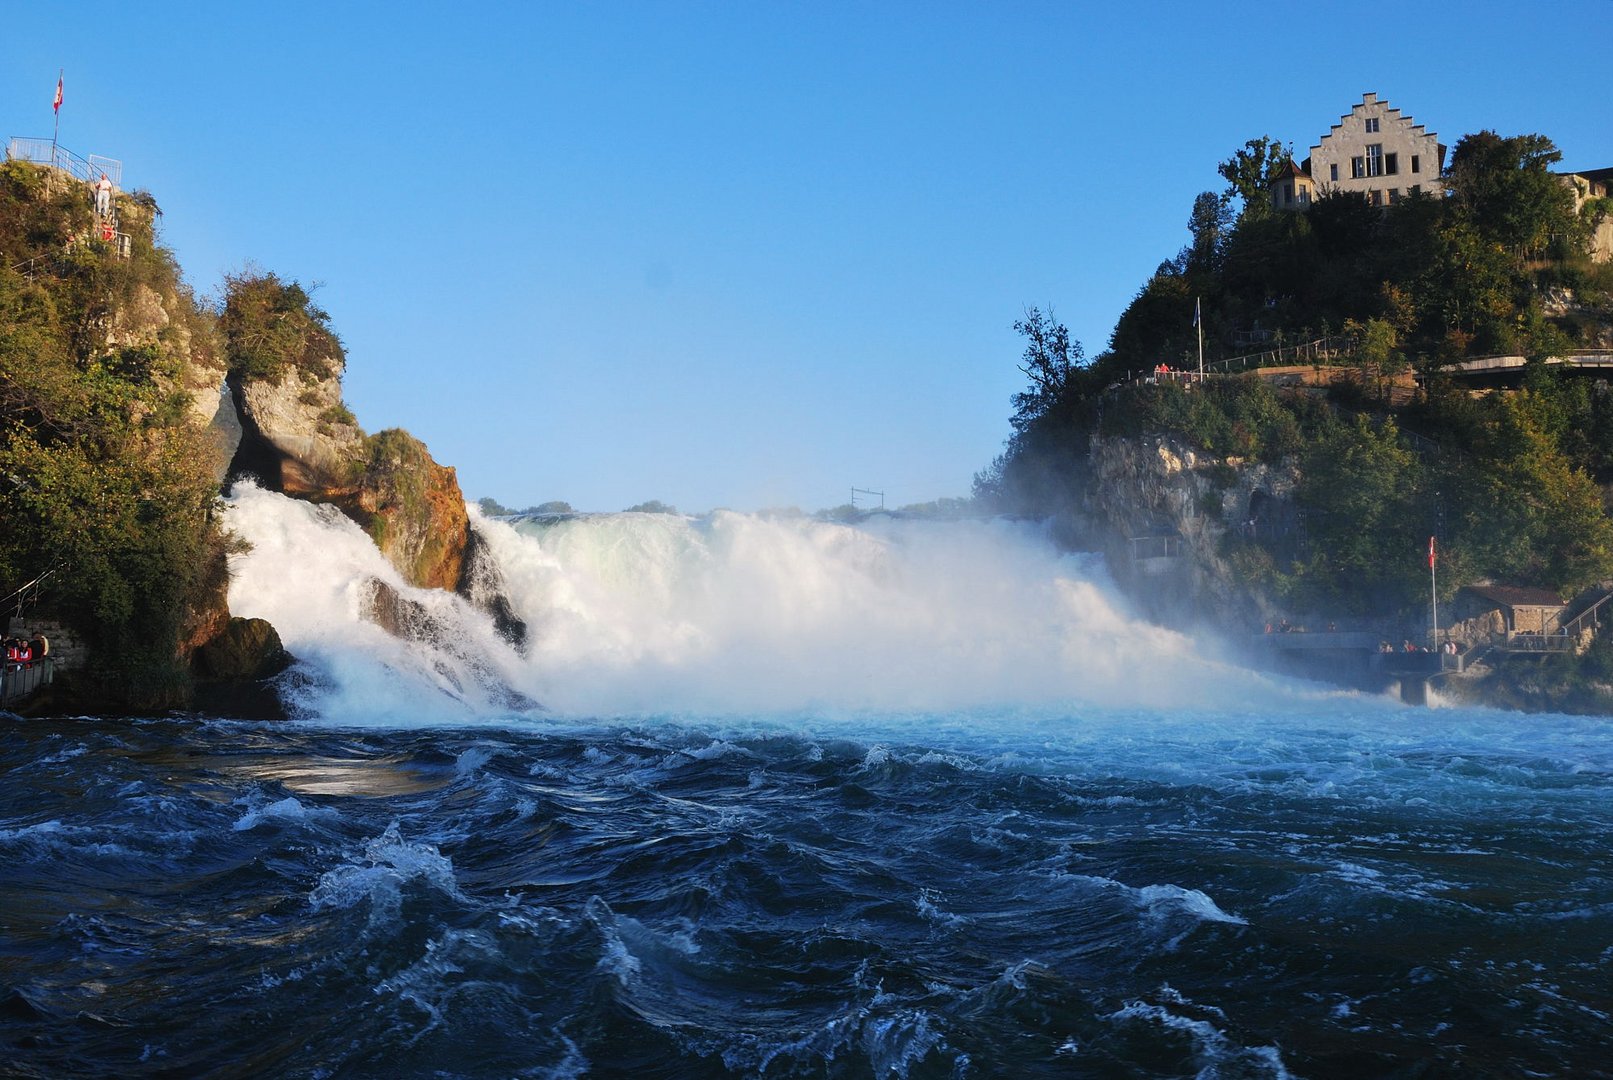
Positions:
(781, 798)
(654, 614)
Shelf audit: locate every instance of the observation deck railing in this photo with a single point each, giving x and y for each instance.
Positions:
(49, 152)
(17, 681)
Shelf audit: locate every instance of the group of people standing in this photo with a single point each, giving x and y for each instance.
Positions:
(25, 651)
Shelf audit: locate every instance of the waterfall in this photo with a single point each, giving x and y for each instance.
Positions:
(655, 614)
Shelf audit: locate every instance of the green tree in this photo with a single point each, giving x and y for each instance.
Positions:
(1208, 225)
(1377, 357)
(1250, 171)
(271, 325)
(1529, 514)
(1049, 359)
(1361, 494)
(1504, 188)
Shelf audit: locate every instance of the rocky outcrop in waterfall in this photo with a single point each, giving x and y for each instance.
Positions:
(412, 508)
(483, 584)
(299, 438)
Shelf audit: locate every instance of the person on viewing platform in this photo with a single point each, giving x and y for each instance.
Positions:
(18, 652)
(103, 196)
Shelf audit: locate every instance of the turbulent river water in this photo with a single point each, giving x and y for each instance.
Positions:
(781, 798)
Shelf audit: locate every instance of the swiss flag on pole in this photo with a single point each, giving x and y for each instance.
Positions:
(1431, 553)
(56, 106)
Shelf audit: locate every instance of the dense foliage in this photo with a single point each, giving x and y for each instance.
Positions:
(271, 326)
(100, 480)
(1511, 482)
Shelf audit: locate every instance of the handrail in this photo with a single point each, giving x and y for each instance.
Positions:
(26, 267)
(1332, 347)
(1528, 641)
(1576, 626)
(17, 681)
(49, 152)
(1328, 347)
(21, 594)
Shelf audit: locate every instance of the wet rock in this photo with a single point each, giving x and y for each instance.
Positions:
(246, 650)
(482, 583)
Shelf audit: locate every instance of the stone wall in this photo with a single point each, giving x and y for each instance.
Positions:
(66, 648)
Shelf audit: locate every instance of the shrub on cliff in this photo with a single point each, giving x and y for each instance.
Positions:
(270, 326)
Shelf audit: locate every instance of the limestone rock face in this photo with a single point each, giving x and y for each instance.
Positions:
(191, 361)
(413, 509)
(297, 437)
(1160, 486)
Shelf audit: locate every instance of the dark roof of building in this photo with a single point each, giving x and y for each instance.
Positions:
(1289, 171)
(1516, 596)
(1601, 176)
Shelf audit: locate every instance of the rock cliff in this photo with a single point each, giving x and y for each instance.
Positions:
(299, 438)
(130, 403)
(1163, 511)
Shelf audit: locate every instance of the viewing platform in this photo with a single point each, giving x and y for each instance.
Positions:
(88, 170)
(20, 681)
(48, 152)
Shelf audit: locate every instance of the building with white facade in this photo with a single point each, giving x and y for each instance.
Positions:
(1374, 150)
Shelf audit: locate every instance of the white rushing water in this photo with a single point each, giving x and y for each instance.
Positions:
(635, 614)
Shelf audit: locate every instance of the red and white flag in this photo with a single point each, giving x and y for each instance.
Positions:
(1431, 553)
(56, 106)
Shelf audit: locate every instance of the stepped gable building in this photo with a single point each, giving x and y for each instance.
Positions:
(1374, 150)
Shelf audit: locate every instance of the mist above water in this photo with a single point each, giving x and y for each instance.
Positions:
(652, 614)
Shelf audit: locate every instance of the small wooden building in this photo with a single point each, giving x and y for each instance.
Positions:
(1514, 609)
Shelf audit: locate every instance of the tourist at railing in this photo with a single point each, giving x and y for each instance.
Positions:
(24, 653)
(19, 653)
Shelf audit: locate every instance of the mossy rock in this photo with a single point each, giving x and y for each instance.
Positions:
(246, 650)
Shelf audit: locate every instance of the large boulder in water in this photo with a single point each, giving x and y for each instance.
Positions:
(234, 672)
(245, 650)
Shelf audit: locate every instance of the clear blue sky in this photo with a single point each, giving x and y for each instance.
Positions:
(737, 254)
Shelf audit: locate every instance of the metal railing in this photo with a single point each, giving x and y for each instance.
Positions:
(17, 681)
(1156, 547)
(48, 152)
(1589, 619)
(1316, 353)
(29, 268)
(1323, 350)
(1522, 642)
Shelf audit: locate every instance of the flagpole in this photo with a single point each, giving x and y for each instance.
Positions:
(1198, 321)
(1433, 590)
(56, 107)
